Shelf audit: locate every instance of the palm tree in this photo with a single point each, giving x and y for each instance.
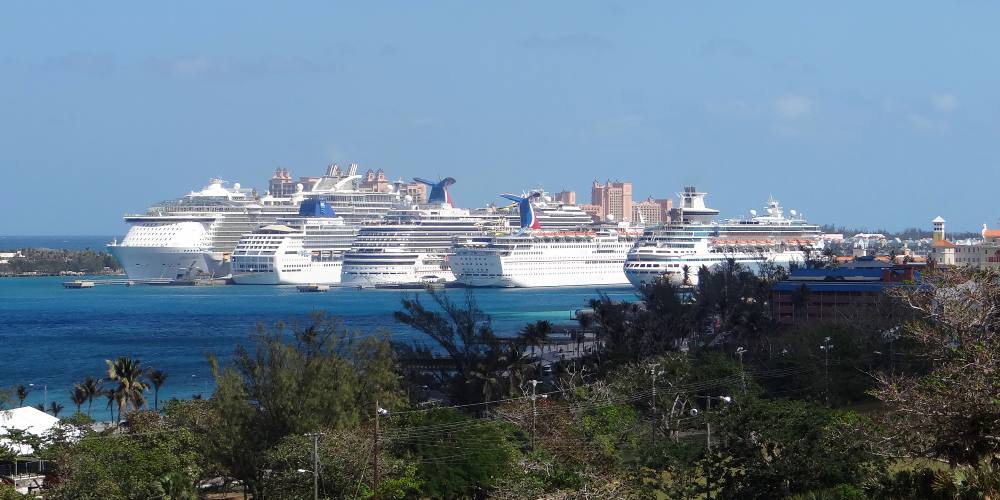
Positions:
(40, 407)
(537, 333)
(92, 388)
(22, 394)
(112, 395)
(78, 396)
(55, 408)
(128, 373)
(157, 378)
(686, 269)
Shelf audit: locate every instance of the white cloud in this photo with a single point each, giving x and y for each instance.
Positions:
(792, 107)
(944, 103)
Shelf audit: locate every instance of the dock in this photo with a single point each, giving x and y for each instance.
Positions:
(313, 288)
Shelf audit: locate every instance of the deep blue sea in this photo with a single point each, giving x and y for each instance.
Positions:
(54, 337)
(55, 242)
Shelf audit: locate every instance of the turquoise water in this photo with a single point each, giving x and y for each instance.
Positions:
(54, 337)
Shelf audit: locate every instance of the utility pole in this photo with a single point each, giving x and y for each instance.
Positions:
(315, 437)
(743, 380)
(653, 373)
(375, 474)
(708, 445)
(826, 368)
(534, 411)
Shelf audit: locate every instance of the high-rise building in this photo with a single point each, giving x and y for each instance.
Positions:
(417, 190)
(595, 212)
(281, 184)
(614, 198)
(567, 197)
(375, 180)
(648, 212)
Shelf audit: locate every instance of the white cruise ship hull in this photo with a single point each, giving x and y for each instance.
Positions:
(487, 269)
(566, 278)
(318, 273)
(673, 268)
(389, 275)
(155, 263)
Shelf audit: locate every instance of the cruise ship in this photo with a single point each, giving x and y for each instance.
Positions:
(538, 256)
(553, 216)
(413, 243)
(308, 249)
(678, 249)
(195, 236)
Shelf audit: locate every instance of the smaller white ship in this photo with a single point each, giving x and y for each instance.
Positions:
(412, 245)
(537, 257)
(304, 250)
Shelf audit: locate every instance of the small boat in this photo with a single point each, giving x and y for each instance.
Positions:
(313, 288)
(78, 284)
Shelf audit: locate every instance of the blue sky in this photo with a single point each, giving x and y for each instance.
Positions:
(878, 114)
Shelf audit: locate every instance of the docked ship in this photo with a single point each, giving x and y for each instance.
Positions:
(195, 236)
(539, 256)
(307, 249)
(551, 215)
(412, 244)
(692, 239)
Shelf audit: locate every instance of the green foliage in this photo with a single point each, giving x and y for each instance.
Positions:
(130, 465)
(7, 492)
(47, 261)
(611, 428)
(456, 456)
(780, 447)
(345, 459)
(294, 382)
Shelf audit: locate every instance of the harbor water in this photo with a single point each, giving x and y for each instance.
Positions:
(53, 337)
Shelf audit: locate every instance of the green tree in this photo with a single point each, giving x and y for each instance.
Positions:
(127, 465)
(128, 373)
(949, 410)
(774, 448)
(78, 396)
(91, 388)
(55, 408)
(462, 331)
(456, 456)
(22, 394)
(157, 378)
(292, 382)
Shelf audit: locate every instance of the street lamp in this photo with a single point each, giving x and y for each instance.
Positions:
(45, 392)
(740, 351)
(708, 436)
(826, 346)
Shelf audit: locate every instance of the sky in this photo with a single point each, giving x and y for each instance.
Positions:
(863, 114)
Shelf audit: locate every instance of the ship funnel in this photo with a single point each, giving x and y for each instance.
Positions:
(527, 212)
(439, 190)
(315, 208)
(353, 170)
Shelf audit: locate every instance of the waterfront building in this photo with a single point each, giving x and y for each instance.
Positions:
(614, 198)
(594, 211)
(650, 212)
(281, 184)
(564, 196)
(984, 253)
(417, 191)
(375, 180)
(838, 294)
